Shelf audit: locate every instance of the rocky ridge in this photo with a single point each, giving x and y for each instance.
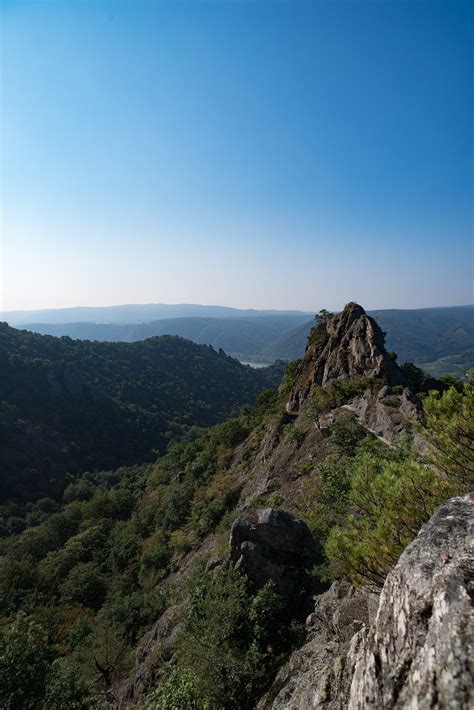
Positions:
(275, 464)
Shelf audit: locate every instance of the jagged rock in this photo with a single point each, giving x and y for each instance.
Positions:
(389, 415)
(350, 344)
(420, 651)
(316, 675)
(270, 544)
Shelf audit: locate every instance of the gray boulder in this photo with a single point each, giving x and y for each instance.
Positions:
(270, 544)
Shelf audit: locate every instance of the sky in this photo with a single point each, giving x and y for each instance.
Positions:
(252, 154)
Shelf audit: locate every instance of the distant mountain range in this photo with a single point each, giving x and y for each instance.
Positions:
(135, 313)
(441, 340)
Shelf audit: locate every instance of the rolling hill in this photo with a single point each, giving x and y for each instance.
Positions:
(70, 405)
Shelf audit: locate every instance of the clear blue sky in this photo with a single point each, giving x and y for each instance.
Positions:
(253, 154)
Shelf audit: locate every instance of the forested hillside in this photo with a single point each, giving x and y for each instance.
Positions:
(68, 405)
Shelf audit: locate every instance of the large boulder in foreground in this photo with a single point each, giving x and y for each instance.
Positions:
(416, 652)
(270, 544)
(420, 651)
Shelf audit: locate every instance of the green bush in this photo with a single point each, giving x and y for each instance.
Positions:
(178, 690)
(31, 678)
(449, 431)
(388, 501)
(233, 639)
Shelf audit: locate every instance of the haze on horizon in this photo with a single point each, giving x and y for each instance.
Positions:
(268, 155)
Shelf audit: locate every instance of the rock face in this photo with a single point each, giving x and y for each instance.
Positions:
(316, 675)
(388, 414)
(418, 652)
(348, 345)
(270, 544)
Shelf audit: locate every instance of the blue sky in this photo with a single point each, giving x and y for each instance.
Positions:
(252, 154)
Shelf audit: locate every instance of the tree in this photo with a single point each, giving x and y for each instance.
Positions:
(179, 689)
(24, 663)
(388, 503)
(215, 638)
(322, 317)
(318, 404)
(31, 678)
(449, 431)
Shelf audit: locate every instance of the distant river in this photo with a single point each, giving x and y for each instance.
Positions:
(256, 365)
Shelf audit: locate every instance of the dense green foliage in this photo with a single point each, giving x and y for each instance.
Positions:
(88, 570)
(234, 335)
(32, 676)
(232, 641)
(450, 432)
(83, 578)
(72, 406)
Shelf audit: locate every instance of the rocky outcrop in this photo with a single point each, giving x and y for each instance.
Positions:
(347, 345)
(389, 414)
(156, 650)
(316, 675)
(270, 544)
(419, 650)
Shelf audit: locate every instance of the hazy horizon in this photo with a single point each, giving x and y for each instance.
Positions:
(307, 311)
(267, 155)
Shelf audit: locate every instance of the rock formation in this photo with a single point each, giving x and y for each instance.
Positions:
(419, 650)
(347, 345)
(316, 675)
(270, 544)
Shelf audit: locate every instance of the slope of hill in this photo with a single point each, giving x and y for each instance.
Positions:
(71, 405)
(426, 334)
(440, 340)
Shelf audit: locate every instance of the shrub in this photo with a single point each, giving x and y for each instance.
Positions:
(154, 558)
(295, 433)
(289, 378)
(450, 433)
(233, 638)
(389, 502)
(178, 690)
(85, 585)
(30, 676)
